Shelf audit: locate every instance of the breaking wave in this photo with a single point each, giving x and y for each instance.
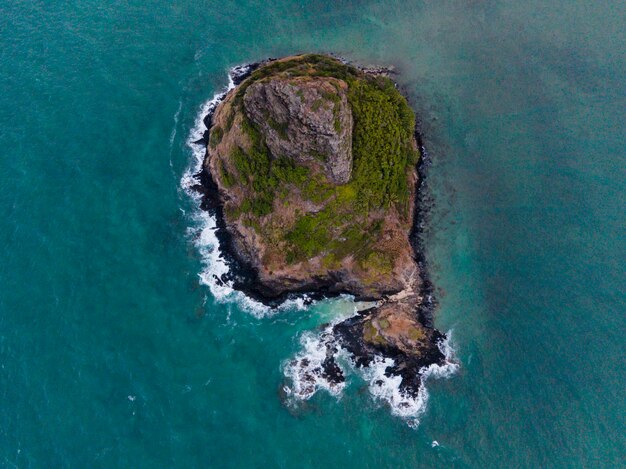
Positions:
(403, 404)
(308, 374)
(306, 370)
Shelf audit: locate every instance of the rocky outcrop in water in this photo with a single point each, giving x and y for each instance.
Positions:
(312, 166)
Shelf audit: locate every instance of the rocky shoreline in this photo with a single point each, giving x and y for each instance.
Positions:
(373, 333)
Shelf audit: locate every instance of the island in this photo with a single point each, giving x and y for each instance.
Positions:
(311, 168)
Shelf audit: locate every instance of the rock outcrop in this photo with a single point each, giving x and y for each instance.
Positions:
(306, 120)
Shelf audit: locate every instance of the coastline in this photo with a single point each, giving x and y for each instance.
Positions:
(426, 308)
(399, 376)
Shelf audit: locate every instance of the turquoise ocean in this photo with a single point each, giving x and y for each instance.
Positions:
(117, 349)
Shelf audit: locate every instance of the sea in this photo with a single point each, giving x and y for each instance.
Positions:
(120, 346)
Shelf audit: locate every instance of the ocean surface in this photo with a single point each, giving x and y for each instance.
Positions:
(118, 348)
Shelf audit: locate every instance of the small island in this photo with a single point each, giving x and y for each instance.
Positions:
(312, 170)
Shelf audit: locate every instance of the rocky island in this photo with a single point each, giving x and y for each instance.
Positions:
(311, 168)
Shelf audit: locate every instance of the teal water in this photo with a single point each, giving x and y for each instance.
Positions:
(113, 353)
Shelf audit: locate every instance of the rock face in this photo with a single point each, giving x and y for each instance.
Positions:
(314, 163)
(306, 120)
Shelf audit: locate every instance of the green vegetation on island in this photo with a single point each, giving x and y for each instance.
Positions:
(349, 218)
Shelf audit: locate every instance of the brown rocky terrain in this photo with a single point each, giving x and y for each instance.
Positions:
(309, 121)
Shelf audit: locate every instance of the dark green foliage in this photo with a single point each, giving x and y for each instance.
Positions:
(284, 170)
(227, 179)
(280, 127)
(309, 233)
(336, 121)
(262, 205)
(318, 156)
(316, 188)
(381, 146)
(216, 136)
(333, 97)
(317, 104)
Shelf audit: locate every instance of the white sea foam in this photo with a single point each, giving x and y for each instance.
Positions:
(176, 116)
(305, 370)
(198, 151)
(402, 403)
(387, 388)
(307, 377)
(450, 365)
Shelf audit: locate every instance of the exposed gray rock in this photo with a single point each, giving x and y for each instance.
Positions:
(305, 119)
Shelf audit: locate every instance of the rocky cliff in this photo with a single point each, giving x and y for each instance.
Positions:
(306, 120)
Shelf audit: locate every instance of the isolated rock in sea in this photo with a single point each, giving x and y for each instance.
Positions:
(312, 164)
